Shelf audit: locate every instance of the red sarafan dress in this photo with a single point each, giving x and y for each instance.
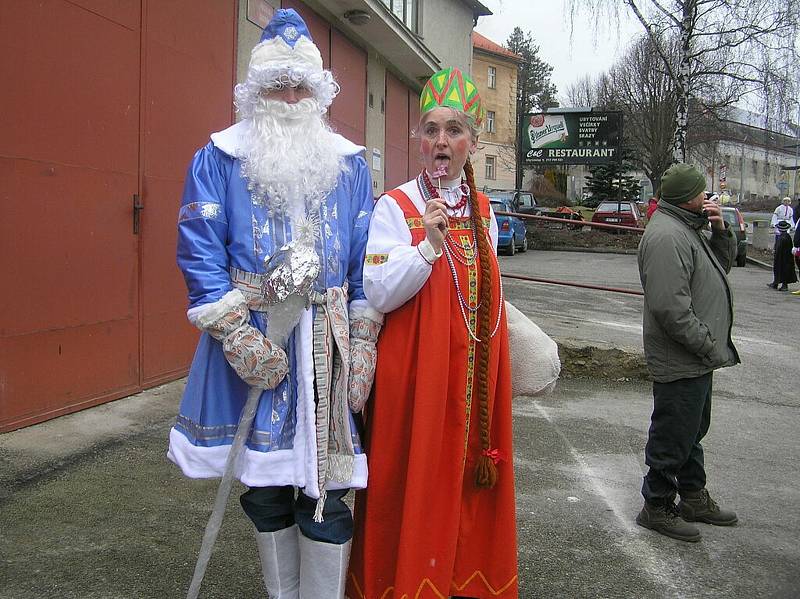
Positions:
(423, 527)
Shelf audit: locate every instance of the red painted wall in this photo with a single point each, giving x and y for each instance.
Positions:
(101, 108)
(397, 133)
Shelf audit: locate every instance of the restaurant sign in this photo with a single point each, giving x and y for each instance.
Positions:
(571, 138)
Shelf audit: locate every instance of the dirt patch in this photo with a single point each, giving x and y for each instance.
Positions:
(759, 254)
(541, 238)
(598, 363)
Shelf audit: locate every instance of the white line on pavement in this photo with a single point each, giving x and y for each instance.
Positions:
(616, 325)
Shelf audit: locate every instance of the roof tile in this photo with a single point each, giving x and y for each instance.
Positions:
(487, 45)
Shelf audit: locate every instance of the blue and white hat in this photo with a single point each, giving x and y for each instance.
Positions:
(286, 44)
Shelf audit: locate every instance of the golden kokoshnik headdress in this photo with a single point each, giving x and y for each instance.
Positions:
(451, 88)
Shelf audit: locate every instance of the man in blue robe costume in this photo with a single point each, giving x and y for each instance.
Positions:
(272, 231)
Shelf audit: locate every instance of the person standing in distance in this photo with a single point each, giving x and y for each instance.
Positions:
(783, 212)
(783, 273)
(687, 320)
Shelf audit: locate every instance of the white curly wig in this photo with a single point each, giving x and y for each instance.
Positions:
(275, 64)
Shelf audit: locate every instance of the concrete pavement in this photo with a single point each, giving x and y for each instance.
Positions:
(91, 508)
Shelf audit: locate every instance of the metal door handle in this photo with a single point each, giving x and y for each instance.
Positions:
(138, 206)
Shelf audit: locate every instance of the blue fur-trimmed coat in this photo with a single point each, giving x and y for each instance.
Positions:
(220, 227)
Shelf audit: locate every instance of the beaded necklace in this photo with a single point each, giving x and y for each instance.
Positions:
(466, 255)
(428, 191)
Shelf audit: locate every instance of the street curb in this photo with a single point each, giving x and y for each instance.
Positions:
(595, 250)
(763, 265)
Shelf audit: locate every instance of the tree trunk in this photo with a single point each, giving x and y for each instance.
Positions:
(655, 182)
(682, 84)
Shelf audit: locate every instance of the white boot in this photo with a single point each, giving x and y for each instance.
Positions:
(280, 562)
(323, 569)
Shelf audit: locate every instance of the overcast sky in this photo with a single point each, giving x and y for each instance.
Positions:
(592, 49)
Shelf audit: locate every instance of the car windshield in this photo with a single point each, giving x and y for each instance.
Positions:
(729, 216)
(502, 196)
(501, 205)
(614, 207)
(526, 200)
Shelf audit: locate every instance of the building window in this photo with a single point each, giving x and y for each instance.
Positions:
(491, 171)
(490, 121)
(492, 77)
(405, 10)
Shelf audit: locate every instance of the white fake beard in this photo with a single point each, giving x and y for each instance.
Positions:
(289, 161)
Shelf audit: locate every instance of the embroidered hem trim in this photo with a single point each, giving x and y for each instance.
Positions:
(426, 582)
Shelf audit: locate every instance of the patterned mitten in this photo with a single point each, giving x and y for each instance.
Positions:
(363, 358)
(256, 360)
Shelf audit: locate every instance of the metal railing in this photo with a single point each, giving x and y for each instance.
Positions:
(573, 223)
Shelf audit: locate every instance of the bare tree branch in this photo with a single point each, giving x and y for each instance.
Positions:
(734, 50)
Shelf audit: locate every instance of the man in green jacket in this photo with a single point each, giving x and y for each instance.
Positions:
(688, 314)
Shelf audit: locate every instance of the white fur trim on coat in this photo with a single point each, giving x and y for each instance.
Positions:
(206, 314)
(362, 309)
(256, 468)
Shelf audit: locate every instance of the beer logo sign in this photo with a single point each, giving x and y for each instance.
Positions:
(572, 137)
(537, 120)
(547, 131)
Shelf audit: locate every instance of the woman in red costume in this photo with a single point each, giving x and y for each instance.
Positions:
(438, 517)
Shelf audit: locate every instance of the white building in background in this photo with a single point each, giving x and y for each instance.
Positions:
(750, 161)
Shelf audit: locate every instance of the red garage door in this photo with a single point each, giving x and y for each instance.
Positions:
(349, 111)
(414, 160)
(397, 133)
(90, 307)
(188, 78)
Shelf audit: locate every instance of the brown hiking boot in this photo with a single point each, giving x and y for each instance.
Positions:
(665, 519)
(697, 506)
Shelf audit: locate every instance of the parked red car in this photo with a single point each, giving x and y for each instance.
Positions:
(624, 213)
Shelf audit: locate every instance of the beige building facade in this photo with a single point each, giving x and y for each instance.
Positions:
(494, 70)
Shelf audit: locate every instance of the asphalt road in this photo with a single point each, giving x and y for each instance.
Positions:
(91, 508)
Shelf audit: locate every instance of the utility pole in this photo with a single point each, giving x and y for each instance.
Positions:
(520, 165)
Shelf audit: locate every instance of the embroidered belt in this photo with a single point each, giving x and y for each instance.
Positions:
(331, 353)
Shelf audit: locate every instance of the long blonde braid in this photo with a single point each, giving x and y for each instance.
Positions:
(485, 471)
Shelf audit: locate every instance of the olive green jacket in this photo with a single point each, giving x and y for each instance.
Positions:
(688, 306)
